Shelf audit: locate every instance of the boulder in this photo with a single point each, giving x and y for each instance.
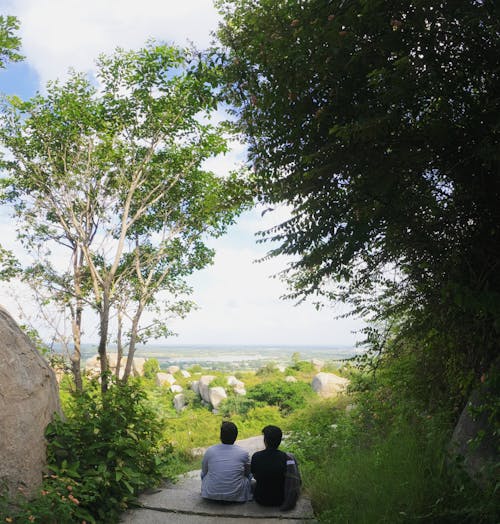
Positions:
(328, 384)
(185, 373)
(176, 388)
(173, 369)
(164, 378)
(138, 366)
(475, 437)
(232, 380)
(290, 378)
(318, 364)
(29, 398)
(179, 402)
(240, 391)
(281, 368)
(216, 396)
(195, 386)
(204, 386)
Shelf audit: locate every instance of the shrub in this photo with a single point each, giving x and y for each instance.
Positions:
(236, 405)
(151, 367)
(110, 446)
(288, 396)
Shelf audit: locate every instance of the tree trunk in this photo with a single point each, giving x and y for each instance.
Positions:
(103, 338)
(132, 343)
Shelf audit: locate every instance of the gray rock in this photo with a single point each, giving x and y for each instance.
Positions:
(195, 386)
(216, 396)
(232, 380)
(173, 369)
(176, 388)
(164, 378)
(185, 373)
(474, 437)
(179, 402)
(290, 378)
(204, 386)
(138, 366)
(29, 397)
(318, 364)
(240, 391)
(328, 384)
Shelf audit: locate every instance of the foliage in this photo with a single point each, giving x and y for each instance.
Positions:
(151, 367)
(288, 396)
(9, 42)
(236, 405)
(301, 366)
(110, 447)
(114, 178)
(381, 457)
(378, 125)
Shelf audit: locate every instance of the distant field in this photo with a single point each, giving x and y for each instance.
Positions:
(234, 356)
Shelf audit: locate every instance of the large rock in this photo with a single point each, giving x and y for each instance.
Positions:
(164, 378)
(328, 384)
(29, 397)
(185, 373)
(216, 396)
(204, 383)
(290, 378)
(475, 437)
(176, 388)
(173, 369)
(179, 402)
(138, 366)
(195, 386)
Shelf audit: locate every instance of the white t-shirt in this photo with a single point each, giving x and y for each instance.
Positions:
(224, 473)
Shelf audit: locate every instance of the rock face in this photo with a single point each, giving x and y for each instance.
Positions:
(328, 385)
(474, 436)
(179, 402)
(29, 398)
(204, 386)
(216, 396)
(164, 378)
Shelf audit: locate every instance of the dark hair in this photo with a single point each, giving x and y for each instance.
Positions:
(228, 432)
(272, 436)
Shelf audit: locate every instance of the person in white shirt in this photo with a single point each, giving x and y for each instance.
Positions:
(225, 469)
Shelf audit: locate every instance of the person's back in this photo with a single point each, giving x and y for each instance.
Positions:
(268, 468)
(225, 469)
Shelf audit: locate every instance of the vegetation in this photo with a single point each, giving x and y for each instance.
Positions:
(378, 125)
(112, 181)
(9, 41)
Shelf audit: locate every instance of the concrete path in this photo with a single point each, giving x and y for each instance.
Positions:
(181, 503)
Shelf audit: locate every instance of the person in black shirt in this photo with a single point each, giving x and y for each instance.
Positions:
(268, 468)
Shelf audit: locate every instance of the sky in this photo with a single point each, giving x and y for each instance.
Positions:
(238, 299)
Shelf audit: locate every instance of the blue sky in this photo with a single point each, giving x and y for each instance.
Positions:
(238, 300)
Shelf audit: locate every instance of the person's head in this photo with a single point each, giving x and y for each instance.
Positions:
(228, 432)
(272, 436)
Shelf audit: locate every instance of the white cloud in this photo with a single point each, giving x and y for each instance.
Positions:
(239, 302)
(59, 34)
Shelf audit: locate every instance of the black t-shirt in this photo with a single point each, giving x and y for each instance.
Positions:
(268, 468)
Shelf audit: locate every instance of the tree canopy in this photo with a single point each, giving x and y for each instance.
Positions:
(113, 176)
(378, 123)
(9, 41)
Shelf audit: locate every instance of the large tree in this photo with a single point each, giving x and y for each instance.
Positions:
(9, 41)
(111, 191)
(378, 123)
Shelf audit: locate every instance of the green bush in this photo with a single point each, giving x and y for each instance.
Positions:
(151, 367)
(110, 446)
(288, 396)
(236, 405)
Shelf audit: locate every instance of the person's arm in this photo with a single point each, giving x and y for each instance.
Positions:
(252, 467)
(204, 465)
(246, 471)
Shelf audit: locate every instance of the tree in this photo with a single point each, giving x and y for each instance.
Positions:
(378, 124)
(9, 42)
(114, 177)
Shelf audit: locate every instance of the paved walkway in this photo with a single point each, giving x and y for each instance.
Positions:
(181, 503)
